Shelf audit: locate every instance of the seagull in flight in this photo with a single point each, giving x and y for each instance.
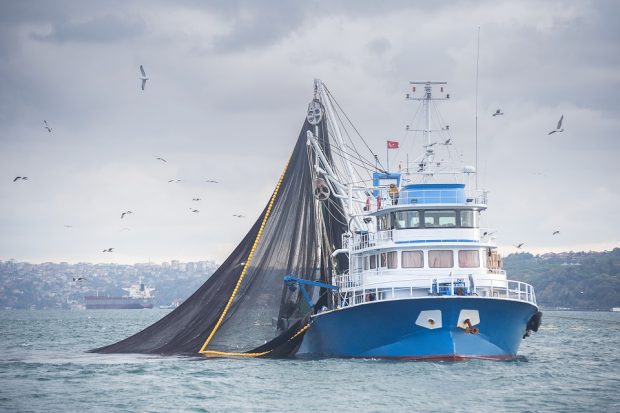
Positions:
(498, 112)
(195, 199)
(126, 213)
(23, 178)
(556, 233)
(238, 216)
(46, 126)
(78, 279)
(519, 245)
(211, 181)
(194, 210)
(109, 250)
(159, 158)
(143, 77)
(174, 180)
(559, 127)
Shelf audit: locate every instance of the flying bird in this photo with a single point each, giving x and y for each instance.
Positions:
(559, 127)
(46, 126)
(159, 158)
(174, 180)
(211, 181)
(195, 199)
(126, 213)
(238, 216)
(143, 77)
(194, 210)
(556, 233)
(520, 245)
(109, 250)
(78, 279)
(498, 112)
(23, 178)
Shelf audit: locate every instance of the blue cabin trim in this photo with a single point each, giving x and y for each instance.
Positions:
(433, 194)
(377, 177)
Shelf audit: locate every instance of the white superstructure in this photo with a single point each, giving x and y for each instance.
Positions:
(414, 232)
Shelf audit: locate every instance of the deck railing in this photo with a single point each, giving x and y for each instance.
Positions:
(429, 196)
(363, 240)
(353, 291)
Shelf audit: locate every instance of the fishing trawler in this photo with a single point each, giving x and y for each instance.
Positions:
(350, 259)
(424, 281)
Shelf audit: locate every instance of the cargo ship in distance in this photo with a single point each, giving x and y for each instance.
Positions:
(138, 296)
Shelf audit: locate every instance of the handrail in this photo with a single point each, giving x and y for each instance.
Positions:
(428, 196)
(359, 241)
(353, 290)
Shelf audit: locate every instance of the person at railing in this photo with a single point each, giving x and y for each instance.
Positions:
(394, 194)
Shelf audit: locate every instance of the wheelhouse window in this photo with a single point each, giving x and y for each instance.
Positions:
(392, 259)
(383, 222)
(412, 259)
(469, 218)
(406, 219)
(440, 218)
(469, 259)
(373, 261)
(440, 259)
(444, 218)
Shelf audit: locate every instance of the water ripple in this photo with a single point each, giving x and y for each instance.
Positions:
(571, 365)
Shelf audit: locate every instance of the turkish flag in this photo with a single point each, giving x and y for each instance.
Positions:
(392, 145)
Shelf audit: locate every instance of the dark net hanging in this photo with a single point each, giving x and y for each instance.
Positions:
(295, 234)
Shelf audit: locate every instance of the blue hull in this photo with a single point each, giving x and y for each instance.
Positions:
(391, 329)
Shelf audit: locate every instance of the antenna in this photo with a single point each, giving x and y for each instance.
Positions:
(426, 100)
(477, 60)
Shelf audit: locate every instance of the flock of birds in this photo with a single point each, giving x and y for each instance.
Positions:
(143, 78)
(518, 246)
(557, 129)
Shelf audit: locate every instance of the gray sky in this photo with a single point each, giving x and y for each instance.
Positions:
(230, 83)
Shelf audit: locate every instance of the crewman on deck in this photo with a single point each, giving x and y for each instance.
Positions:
(393, 192)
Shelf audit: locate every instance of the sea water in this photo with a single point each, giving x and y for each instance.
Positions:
(571, 365)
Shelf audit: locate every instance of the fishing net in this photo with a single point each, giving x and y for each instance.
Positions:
(245, 308)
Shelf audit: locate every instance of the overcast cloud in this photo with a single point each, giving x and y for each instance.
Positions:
(228, 89)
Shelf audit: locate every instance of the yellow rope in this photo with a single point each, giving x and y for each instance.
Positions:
(246, 266)
(307, 326)
(233, 354)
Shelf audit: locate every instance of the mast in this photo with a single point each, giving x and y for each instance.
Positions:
(477, 60)
(429, 152)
